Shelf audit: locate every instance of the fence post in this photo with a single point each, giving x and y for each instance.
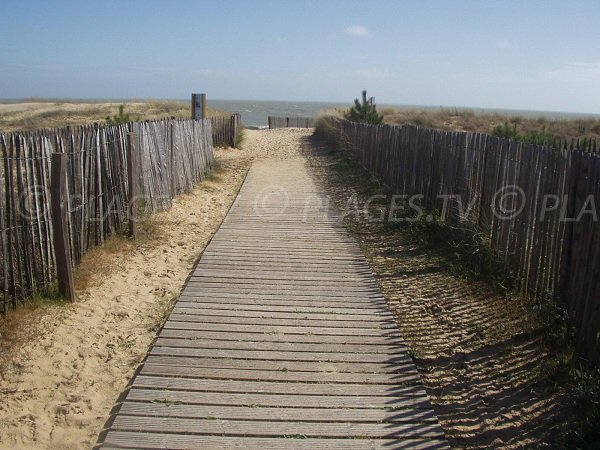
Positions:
(232, 129)
(58, 188)
(172, 159)
(131, 183)
(198, 106)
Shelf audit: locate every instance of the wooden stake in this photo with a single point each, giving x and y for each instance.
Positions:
(58, 186)
(131, 183)
(172, 158)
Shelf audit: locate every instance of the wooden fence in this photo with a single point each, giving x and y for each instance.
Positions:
(170, 157)
(225, 129)
(291, 122)
(537, 204)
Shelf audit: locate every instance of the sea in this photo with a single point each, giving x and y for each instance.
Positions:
(255, 113)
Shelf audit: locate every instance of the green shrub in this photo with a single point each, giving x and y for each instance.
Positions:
(507, 131)
(365, 111)
(119, 118)
(541, 138)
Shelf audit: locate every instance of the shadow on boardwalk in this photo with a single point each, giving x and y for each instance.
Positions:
(479, 353)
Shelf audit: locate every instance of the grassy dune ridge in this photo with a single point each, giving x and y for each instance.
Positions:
(34, 114)
(459, 119)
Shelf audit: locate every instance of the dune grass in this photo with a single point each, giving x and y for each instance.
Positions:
(454, 119)
(31, 115)
(459, 119)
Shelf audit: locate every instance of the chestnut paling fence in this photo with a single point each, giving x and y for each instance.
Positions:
(225, 129)
(290, 122)
(537, 204)
(170, 157)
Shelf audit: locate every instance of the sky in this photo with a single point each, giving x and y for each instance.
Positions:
(526, 54)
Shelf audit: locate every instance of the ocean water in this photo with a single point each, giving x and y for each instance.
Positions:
(255, 113)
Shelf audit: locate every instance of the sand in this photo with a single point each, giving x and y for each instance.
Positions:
(57, 390)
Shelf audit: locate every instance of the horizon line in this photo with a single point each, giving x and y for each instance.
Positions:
(484, 109)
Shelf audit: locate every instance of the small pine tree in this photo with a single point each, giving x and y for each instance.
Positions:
(365, 112)
(119, 118)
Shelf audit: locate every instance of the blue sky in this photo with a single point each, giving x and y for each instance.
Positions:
(541, 55)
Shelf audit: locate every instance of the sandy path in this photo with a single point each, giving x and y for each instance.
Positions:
(57, 390)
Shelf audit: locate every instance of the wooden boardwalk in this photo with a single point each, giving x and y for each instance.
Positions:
(280, 339)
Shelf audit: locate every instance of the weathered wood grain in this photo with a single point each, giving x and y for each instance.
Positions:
(277, 335)
(101, 180)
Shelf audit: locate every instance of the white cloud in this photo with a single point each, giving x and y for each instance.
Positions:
(358, 30)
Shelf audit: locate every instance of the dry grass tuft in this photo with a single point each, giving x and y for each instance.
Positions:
(22, 325)
(149, 229)
(96, 263)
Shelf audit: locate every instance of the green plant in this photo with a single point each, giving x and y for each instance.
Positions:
(507, 131)
(118, 118)
(365, 111)
(541, 138)
(466, 251)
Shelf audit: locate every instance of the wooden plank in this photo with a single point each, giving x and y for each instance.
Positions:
(290, 300)
(310, 308)
(187, 316)
(373, 358)
(249, 264)
(184, 340)
(121, 439)
(299, 290)
(270, 329)
(285, 285)
(276, 428)
(346, 279)
(227, 253)
(270, 387)
(309, 415)
(163, 341)
(164, 366)
(192, 308)
(259, 336)
(401, 364)
(166, 396)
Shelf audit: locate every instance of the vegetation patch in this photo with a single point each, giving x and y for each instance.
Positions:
(22, 325)
(535, 130)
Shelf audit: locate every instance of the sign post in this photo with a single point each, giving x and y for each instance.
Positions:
(198, 106)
